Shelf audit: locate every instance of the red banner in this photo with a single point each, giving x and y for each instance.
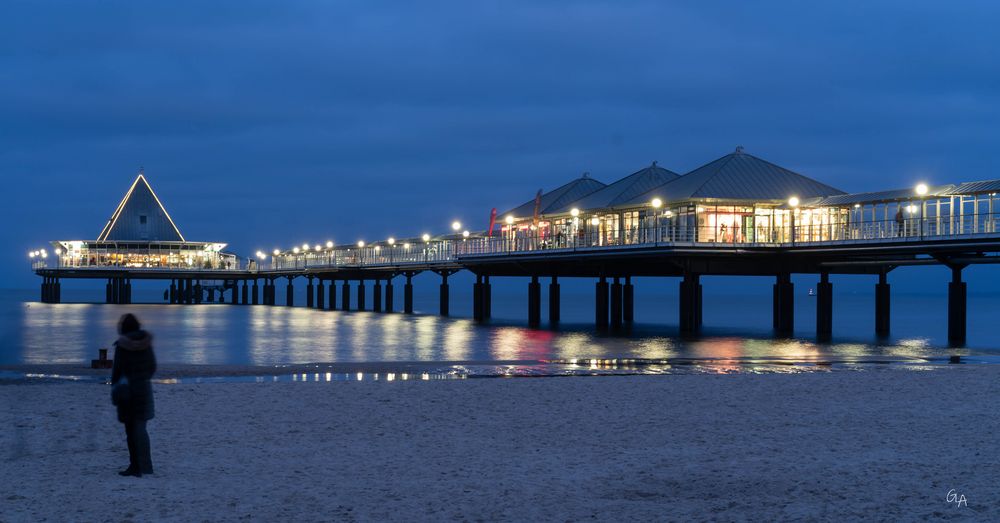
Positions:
(493, 222)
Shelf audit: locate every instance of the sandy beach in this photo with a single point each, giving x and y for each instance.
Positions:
(874, 445)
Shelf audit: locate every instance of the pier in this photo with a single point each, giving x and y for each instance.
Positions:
(736, 216)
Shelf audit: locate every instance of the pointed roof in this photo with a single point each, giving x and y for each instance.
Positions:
(623, 190)
(140, 217)
(738, 176)
(558, 197)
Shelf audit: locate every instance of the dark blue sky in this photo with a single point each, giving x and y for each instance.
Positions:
(268, 124)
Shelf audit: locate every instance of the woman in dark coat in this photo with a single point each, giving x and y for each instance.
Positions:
(135, 362)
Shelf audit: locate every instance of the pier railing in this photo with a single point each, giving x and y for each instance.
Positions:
(524, 242)
(578, 238)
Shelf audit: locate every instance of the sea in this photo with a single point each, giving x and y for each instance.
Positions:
(736, 337)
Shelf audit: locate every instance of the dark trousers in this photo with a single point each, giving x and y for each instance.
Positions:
(138, 446)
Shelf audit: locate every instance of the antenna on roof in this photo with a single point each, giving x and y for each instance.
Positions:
(586, 174)
(654, 163)
(739, 149)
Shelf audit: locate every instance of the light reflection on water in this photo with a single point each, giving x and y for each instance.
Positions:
(237, 335)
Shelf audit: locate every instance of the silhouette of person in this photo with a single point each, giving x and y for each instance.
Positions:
(132, 392)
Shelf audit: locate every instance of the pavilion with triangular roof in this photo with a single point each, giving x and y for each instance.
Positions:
(141, 233)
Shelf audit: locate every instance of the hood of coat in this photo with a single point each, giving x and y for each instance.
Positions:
(138, 340)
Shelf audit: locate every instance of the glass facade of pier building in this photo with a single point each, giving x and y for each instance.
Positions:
(139, 234)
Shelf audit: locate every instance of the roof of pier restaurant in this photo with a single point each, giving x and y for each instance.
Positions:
(558, 197)
(140, 222)
(140, 216)
(736, 176)
(621, 191)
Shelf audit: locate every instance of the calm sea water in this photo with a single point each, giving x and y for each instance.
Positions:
(737, 329)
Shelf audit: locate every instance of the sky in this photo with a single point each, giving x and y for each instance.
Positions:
(272, 124)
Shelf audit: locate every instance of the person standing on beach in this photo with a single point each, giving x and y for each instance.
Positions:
(134, 365)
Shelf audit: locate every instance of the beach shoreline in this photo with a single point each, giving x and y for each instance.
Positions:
(815, 446)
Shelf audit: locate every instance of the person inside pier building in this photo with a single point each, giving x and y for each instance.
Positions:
(141, 234)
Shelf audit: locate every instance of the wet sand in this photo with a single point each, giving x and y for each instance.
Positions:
(881, 444)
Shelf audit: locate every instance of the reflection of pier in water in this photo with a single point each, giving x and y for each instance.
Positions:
(738, 215)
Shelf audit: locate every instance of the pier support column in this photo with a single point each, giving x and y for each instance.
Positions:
(824, 306)
(57, 290)
(127, 291)
(196, 296)
(45, 290)
(601, 304)
(332, 301)
(211, 295)
(289, 294)
(361, 295)
(255, 293)
(534, 302)
(882, 306)
(444, 296)
(388, 295)
(477, 299)
(345, 296)
(245, 294)
(956, 307)
(616, 304)
(784, 305)
(690, 303)
(236, 293)
(408, 294)
(554, 299)
(377, 296)
(320, 295)
(628, 301)
(173, 291)
(310, 289)
(108, 292)
(272, 297)
(487, 298)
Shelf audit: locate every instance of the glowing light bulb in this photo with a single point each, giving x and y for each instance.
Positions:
(793, 201)
(656, 203)
(361, 244)
(329, 245)
(426, 237)
(921, 189)
(456, 225)
(509, 219)
(574, 212)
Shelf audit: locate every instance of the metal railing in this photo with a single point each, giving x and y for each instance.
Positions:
(446, 251)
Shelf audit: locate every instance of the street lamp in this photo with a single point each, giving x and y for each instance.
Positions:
(574, 212)
(329, 245)
(793, 202)
(921, 191)
(361, 244)
(391, 241)
(510, 219)
(426, 237)
(465, 234)
(656, 203)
